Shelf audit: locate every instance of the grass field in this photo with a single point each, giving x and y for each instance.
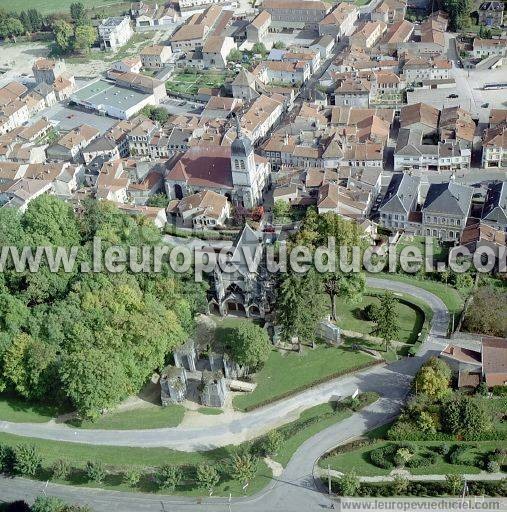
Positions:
(190, 83)
(283, 373)
(360, 462)
(17, 410)
(51, 6)
(154, 416)
(210, 411)
(310, 422)
(449, 295)
(409, 319)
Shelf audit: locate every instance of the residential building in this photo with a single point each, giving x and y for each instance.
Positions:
(155, 56)
(215, 51)
(257, 30)
(418, 69)
(206, 209)
(128, 65)
(485, 47)
(340, 21)
(68, 147)
(244, 86)
(494, 211)
(112, 182)
(261, 116)
(115, 32)
(368, 35)
(399, 202)
(389, 11)
(421, 117)
(445, 210)
(193, 33)
(413, 153)
(352, 92)
(398, 33)
(47, 70)
(292, 72)
(494, 147)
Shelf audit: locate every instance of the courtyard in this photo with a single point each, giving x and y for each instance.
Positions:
(189, 82)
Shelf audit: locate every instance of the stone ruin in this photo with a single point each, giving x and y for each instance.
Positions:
(213, 389)
(173, 385)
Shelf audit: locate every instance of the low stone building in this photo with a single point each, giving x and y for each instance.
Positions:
(491, 14)
(173, 385)
(214, 390)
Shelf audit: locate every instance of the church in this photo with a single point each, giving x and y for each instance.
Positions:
(235, 172)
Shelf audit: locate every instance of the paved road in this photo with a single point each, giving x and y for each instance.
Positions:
(295, 489)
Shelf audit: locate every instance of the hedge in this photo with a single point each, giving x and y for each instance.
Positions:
(314, 384)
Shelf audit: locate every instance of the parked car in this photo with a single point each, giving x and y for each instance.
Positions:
(452, 95)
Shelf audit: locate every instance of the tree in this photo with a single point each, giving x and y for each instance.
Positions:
(465, 416)
(94, 380)
(78, 13)
(459, 13)
(486, 314)
(279, 45)
(168, 477)
(63, 36)
(132, 476)
(386, 319)
(7, 459)
(48, 504)
(454, 483)
(84, 37)
(25, 20)
(158, 114)
(433, 379)
(281, 210)
(248, 344)
(95, 471)
(300, 305)
(158, 200)
(27, 460)
(259, 48)
(272, 443)
(463, 282)
(36, 19)
(60, 469)
(207, 477)
(10, 27)
(243, 467)
(349, 483)
(315, 232)
(235, 55)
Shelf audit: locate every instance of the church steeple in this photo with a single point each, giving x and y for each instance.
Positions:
(242, 158)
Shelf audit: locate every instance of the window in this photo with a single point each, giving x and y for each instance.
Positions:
(242, 162)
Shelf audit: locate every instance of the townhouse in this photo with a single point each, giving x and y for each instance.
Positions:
(261, 116)
(368, 35)
(340, 21)
(258, 29)
(115, 32)
(296, 13)
(485, 47)
(154, 56)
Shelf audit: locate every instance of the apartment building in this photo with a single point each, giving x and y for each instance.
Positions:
(115, 32)
(155, 56)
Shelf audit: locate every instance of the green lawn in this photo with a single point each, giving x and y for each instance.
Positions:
(210, 411)
(154, 416)
(409, 319)
(190, 82)
(360, 462)
(285, 373)
(449, 295)
(117, 458)
(440, 252)
(17, 410)
(50, 6)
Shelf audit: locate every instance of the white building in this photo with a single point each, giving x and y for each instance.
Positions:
(115, 32)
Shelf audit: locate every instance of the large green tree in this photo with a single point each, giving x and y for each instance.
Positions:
(64, 33)
(433, 379)
(84, 37)
(385, 318)
(247, 343)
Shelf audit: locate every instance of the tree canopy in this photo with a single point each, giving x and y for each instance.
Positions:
(88, 339)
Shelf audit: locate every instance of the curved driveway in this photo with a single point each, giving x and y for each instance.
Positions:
(295, 489)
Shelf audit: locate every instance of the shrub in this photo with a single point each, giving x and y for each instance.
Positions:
(48, 504)
(402, 457)
(60, 469)
(454, 483)
(457, 454)
(6, 459)
(492, 466)
(349, 484)
(95, 471)
(418, 462)
(400, 485)
(370, 312)
(168, 476)
(443, 449)
(27, 459)
(499, 390)
(382, 456)
(131, 476)
(272, 443)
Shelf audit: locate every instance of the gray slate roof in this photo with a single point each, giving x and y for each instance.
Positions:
(495, 206)
(448, 198)
(400, 195)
